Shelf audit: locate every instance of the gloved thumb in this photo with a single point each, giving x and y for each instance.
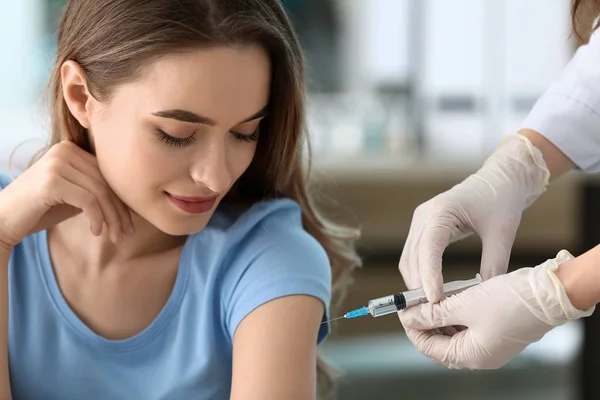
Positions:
(497, 246)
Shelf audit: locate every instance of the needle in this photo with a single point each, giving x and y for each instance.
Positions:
(335, 319)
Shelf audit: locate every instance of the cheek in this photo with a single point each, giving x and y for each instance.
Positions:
(127, 154)
(239, 160)
(115, 146)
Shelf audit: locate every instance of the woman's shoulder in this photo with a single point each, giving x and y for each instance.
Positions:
(267, 230)
(270, 255)
(265, 243)
(270, 236)
(260, 219)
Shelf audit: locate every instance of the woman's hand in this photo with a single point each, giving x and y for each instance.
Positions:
(503, 316)
(64, 182)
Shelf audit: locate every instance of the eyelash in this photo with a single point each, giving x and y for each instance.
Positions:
(188, 141)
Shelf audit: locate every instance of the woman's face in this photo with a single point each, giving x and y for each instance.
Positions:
(172, 144)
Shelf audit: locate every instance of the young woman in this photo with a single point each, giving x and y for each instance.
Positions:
(164, 246)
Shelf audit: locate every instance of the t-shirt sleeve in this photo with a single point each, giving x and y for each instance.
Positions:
(279, 259)
(568, 113)
(5, 179)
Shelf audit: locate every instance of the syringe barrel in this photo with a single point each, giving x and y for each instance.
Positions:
(386, 305)
(417, 296)
(400, 301)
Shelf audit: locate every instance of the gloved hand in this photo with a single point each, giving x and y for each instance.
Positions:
(489, 202)
(503, 316)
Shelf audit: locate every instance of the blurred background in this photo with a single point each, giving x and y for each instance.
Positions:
(406, 99)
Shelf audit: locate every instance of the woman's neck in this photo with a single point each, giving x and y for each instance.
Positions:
(100, 251)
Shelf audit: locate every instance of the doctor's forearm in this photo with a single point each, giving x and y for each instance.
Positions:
(581, 279)
(556, 161)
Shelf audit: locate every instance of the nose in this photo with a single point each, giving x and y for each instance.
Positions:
(211, 167)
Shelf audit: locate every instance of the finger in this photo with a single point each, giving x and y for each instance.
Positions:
(101, 193)
(408, 269)
(407, 265)
(456, 352)
(88, 164)
(496, 251)
(432, 244)
(124, 215)
(430, 344)
(59, 213)
(428, 316)
(79, 197)
(123, 223)
(413, 260)
(461, 351)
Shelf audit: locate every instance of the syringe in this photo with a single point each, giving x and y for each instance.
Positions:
(401, 300)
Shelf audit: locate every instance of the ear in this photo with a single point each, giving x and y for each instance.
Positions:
(76, 93)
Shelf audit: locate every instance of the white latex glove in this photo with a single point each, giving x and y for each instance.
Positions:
(489, 203)
(503, 316)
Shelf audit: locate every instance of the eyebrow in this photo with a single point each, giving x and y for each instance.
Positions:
(188, 116)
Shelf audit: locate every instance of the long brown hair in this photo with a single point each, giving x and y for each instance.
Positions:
(112, 41)
(584, 18)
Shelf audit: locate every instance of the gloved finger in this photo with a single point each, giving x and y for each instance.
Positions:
(456, 352)
(430, 344)
(432, 244)
(413, 259)
(497, 246)
(460, 235)
(428, 316)
(408, 269)
(460, 352)
(409, 266)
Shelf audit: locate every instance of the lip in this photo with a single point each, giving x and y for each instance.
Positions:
(195, 199)
(193, 205)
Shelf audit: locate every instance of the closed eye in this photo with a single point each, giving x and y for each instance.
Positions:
(175, 141)
(253, 137)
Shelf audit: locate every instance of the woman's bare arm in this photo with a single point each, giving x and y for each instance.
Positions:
(275, 351)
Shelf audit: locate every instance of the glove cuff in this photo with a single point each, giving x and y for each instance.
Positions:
(551, 294)
(521, 164)
(536, 156)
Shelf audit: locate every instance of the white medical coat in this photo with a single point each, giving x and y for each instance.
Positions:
(568, 113)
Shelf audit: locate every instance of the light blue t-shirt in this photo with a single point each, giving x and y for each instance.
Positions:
(227, 270)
